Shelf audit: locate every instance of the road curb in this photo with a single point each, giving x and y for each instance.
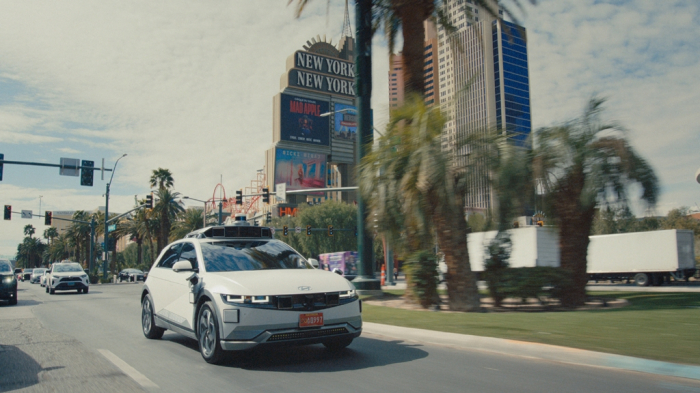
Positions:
(534, 350)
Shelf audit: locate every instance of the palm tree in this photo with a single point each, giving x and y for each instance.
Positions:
(580, 165)
(417, 193)
(50, 233)
(29, 230)
(189, 220)
(167, 208)
(162, 178)
(80, 232)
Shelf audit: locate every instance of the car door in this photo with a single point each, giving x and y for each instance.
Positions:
(159, 283)
(181, 307)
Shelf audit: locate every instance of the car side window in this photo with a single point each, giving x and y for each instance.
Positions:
(189, 253)
(170, 256)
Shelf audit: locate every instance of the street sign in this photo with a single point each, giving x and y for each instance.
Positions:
(26, 214)
(281, 191)
(297, 230)
(272, 230)
(69, 167)
(112, 227)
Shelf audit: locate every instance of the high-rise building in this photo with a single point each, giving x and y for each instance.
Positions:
(483, 85)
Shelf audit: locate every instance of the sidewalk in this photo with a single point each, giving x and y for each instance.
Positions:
(533, 350)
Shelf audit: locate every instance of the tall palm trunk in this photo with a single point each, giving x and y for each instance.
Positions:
(139, 250)
(412, 14)
(164, 230)
(462, 289)
(574, 229)
(150, 243)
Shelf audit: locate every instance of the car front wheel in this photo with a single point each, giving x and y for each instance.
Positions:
(208, 335)
(148, 323)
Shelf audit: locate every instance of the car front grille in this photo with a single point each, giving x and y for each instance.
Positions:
(67, 279)
(307, 334)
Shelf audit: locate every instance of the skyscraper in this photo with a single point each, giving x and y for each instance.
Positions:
(483, 84)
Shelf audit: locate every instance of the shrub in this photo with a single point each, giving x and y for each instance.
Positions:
(422, 277)
(496, 266)
(533, 282)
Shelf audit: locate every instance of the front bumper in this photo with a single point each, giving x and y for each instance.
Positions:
(288, 337)
(71, 285)
(8, 291)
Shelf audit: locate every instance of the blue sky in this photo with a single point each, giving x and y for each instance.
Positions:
(188, 86)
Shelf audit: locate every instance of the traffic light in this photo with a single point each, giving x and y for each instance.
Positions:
(47, 218)
(239, 197)
(285, 230)
(266, 195)
(269, 217)
(308, 230)
(8, 212)
(86, 174)
(149, 201)
(330, 230)
(2, 157)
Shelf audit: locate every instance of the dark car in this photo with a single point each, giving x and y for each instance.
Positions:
(8, 282)
(131, 275)
(27, 274)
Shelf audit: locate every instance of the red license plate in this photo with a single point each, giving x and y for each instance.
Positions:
(310, 320)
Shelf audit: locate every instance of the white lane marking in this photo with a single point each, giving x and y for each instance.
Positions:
(128, 370)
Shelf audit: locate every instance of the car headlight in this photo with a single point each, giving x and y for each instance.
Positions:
(239, 299)
(351, 294)
(8, 279)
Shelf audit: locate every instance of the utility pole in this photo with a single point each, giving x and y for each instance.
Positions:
(106, 237)
(365, 283)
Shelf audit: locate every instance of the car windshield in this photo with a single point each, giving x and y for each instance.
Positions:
(38, 271)
(5, 267)
(26, 271)
(242, 255)
(59, 268)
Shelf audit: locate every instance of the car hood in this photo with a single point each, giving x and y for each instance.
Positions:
(68, 274)
(275, 282)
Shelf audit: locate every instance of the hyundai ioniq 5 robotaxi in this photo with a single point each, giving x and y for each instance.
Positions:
(235, 287)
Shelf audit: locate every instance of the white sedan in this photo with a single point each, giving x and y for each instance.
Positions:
(235, 287)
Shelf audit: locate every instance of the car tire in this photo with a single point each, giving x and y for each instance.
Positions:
(642, 279)
(337, 345)
(52, 291)
(47, 289)
(208, 334)
(85, 290)
(148, 321)
(13, 301)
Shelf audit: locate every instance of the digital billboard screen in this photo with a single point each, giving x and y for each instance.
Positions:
(301, 121)
(300, 169)
(345, 122)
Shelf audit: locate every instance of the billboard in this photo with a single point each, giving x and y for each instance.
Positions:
(300, 169)
(345, 122)
(301, 121)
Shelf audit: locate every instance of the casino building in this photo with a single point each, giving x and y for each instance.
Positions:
(314, 123)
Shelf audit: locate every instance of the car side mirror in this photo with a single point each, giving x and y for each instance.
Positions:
(182, 266)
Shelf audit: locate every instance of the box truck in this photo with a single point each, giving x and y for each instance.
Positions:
(345, 261)
(647, 257)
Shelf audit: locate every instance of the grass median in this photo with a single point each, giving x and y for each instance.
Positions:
(659, 326)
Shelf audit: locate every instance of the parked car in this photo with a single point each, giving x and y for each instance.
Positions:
(18, 274)
(27, 274)
(131, 275)
(258, 291)
(67, 276)
(42, 280)
(8, 282)
(36, 275)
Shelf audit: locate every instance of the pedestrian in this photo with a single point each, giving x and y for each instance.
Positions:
(396, 273)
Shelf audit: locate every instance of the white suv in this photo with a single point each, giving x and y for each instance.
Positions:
(67, 276)
(235, 287)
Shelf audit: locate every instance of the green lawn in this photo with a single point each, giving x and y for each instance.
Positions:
(660, 326)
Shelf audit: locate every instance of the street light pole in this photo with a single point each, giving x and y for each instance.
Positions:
(365, 283)
(106, 237)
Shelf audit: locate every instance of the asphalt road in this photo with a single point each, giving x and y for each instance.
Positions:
(77, 342)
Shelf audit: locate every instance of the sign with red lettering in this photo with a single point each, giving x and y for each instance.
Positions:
(301, 121)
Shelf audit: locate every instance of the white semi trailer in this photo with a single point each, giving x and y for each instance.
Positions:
(647, 257)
